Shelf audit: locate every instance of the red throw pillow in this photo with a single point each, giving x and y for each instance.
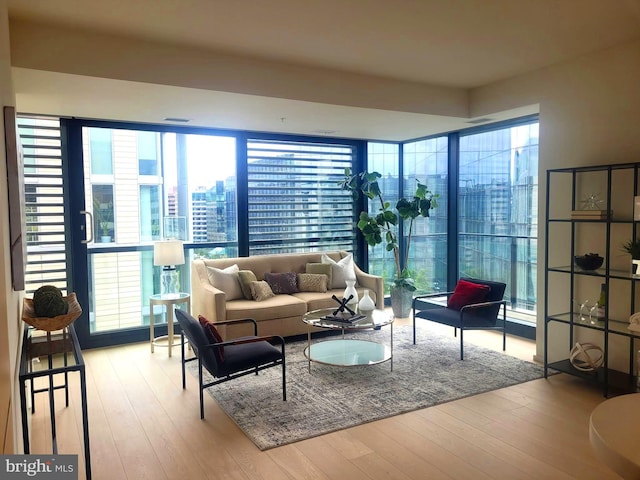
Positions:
(467, 293)
(213, 336)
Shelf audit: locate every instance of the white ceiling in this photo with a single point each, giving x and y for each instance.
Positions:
(456, 43)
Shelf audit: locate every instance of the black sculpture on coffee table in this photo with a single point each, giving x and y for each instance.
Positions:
(343, 305)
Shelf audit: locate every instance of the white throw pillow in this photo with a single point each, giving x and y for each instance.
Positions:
(226, 280)
(341, 271)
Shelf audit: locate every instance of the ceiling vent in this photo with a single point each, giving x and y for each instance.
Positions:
(324, 132)
(174, 119)
(479, 120)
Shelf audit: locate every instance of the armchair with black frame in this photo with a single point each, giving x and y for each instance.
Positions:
(227, 360)
(474, 305)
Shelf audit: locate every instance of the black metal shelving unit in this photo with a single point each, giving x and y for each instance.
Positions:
(563, 234)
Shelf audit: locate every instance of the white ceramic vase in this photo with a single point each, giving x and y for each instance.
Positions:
(351, 290)
(366, 303)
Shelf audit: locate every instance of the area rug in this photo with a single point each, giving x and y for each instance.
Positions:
(334, 398)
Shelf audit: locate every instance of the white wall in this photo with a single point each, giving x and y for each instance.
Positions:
(10, 301)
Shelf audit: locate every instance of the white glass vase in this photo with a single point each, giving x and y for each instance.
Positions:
(366, 303)
(351, 290)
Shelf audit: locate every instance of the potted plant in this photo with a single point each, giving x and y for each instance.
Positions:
(104, 218)
(383, 226)
(632, 247)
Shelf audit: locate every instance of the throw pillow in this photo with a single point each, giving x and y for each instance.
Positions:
(226, 280)
(341, 271)
(323, 268)
(312, 282)
(213, 336)
(246, 277)
(467, 293)
(282, 283)
(260, 290)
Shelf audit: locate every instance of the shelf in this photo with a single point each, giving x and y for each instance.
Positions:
(621, 221)
(600, 272)
(592, 222)
(619, 327)
(619, 382)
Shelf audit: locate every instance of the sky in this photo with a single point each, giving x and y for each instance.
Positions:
(209, 159)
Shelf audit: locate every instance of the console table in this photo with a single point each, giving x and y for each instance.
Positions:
(63, 356)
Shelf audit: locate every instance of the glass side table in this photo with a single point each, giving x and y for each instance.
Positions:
(169, 300)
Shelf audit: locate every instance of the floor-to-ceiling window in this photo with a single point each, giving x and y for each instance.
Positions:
(428, 161)
(146, 184)
(495, 193)
(295, 203)
(497, 209)
(383, 158)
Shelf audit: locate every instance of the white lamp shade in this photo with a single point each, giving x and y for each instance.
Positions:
(168, 252)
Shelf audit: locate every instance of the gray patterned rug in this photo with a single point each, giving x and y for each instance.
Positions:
(334, 398)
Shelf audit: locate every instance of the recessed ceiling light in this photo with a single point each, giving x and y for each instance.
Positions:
(174, 119)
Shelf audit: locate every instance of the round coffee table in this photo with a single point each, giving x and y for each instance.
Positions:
(613, 432)
(348, 352)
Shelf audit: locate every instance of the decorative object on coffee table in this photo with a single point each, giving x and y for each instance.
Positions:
(351, 293)
(366, 303)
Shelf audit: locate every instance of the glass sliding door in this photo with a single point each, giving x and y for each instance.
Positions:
(141, 186)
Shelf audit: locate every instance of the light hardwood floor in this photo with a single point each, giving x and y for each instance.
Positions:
(143, 425)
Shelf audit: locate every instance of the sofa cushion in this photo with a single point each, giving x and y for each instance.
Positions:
(213, 336)
(261, 290)
(282, 283)
(278, 306)
(467, 293)
(341, 271)
(246, 277)
(226, 280)
(312, 282)
(320, 268)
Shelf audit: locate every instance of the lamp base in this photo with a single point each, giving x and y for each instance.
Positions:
(169, 281)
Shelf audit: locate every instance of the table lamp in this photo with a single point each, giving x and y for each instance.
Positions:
(168, 254)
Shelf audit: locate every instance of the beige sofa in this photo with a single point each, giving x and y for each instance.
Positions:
(281, 314)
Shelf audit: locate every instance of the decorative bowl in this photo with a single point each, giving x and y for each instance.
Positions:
(590, 261)
(50, 324)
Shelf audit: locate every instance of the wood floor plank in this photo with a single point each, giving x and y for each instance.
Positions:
(413, 465)
(480, 459)
(485, 442)
(327, 456)
(399, 430)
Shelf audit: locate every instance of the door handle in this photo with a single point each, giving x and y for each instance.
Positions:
(90, 215)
